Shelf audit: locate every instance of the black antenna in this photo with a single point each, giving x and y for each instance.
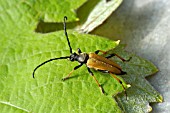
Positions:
(65, 18)
(47, 62)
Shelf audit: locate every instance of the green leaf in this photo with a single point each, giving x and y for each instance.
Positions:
(141, 93)
(55, 10)
(89, 15)
(47, 93)
(22, 50)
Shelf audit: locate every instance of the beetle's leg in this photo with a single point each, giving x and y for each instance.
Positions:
(106, 71)
(72, 71)
(97, 51)
(111, 55)
(103, 71)
(114, 76)
(91, 73)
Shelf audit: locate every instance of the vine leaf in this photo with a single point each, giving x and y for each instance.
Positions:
(141, 93)
(22, 50)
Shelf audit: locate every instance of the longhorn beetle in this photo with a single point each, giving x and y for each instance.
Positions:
(91, 60)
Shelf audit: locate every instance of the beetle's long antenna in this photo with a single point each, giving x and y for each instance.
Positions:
(47, 62)
(65, 18)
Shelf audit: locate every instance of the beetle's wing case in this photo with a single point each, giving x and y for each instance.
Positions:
(101, 63)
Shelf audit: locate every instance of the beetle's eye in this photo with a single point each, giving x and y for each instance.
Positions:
(72, 57)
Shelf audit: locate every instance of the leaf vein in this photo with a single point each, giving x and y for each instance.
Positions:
(12, 105)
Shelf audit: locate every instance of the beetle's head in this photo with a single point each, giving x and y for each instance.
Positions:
(80, 57)
(73, 57)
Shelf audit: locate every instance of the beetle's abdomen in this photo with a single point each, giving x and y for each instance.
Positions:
(101, 63)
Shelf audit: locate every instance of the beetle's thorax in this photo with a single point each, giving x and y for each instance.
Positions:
(81, 57)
